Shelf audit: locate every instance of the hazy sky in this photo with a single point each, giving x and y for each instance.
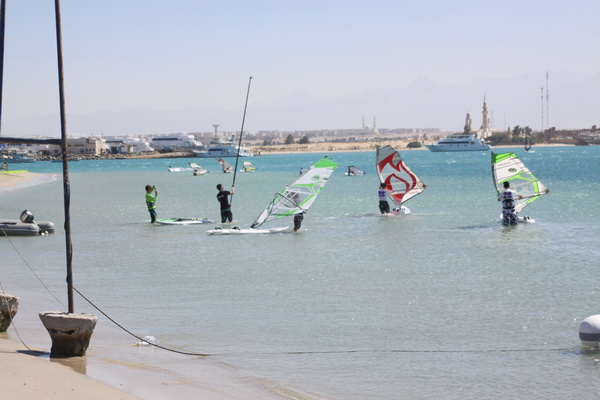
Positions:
(168, 55)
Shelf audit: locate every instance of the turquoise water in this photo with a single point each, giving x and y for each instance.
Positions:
(443, 303)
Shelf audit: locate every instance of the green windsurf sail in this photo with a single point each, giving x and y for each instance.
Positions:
(506, 167)
(300, 195)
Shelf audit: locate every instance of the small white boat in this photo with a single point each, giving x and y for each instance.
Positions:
(459, 143)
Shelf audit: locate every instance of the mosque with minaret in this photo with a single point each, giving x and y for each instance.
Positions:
(485, 130)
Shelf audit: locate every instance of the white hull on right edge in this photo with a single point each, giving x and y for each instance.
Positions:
(459, 143)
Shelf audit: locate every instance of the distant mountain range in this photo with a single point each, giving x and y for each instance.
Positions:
(574, 103)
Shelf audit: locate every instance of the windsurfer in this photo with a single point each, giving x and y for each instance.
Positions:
(508, 197)
(226, 214)
(151, 201)
(384, 206)
(298, 221)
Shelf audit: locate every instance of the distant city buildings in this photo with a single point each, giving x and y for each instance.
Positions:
(99, 146)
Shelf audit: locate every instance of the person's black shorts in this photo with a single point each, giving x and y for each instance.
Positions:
(226, 215)
(384, 207)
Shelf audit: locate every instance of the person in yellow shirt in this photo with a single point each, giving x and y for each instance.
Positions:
(151, 196)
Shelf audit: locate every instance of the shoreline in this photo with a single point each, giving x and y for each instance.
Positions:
(119, 375)
(33, 374)
(22, 178)
(320, 147)
(24, 374)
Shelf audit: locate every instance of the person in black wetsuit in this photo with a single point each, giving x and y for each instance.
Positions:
(226, 214)
(298, 221)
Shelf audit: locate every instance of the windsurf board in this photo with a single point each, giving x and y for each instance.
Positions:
(240, 231)
(184, 221)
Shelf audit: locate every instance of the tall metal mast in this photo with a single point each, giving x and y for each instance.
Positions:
(542, 89)
(547, 103)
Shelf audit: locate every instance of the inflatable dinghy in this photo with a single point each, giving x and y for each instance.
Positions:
(25, 226)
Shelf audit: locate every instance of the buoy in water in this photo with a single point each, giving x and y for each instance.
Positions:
(589, 331)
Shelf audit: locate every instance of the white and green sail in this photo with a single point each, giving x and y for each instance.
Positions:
(300, 195)
(506, 167)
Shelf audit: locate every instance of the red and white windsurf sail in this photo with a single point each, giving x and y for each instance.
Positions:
(225, 165)
(393, 171)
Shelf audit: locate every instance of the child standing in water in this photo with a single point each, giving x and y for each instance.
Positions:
(151, 201)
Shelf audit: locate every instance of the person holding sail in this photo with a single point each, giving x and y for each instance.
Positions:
(508, 197)
(298, 221)
(226, 214)
(384, 206)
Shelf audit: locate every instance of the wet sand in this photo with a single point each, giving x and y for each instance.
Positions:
(24, 375)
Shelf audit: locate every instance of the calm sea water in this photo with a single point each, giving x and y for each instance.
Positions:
(443, 303)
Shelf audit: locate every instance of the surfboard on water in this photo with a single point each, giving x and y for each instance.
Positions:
(179, 169)
(522, 220)
(403, 210)
(243, 231)
(184, 221)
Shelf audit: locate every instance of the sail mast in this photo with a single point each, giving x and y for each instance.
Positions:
(240, 141)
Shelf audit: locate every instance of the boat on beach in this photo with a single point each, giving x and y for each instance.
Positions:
(459, 143)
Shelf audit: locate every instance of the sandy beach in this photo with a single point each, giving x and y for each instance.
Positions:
(14, 179)
(24, 375)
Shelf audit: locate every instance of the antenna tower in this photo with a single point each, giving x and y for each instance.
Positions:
(547, 103)
(542, 89)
